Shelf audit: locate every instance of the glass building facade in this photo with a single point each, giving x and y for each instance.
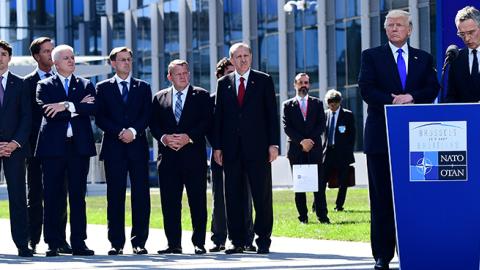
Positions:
(322, 38)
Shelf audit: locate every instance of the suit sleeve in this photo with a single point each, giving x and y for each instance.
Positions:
(271, 111)
(141, 122)
(353, 131)
(101, 119)
(23, 130)
(155, 121)
(44, 97)
(429, 90)
(320, 126)
(87, 108)
(218, 115)
(367, 81)
(291, 132)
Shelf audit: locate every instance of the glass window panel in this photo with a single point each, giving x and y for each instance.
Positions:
(200, 23)
(123, 5)
(353, 101)
(354, 47)
(267, 16)
(269, 57)
(232, 21)
(118, 33)
(340, 47)
(340, 9)
(353, 8)
(399, 4)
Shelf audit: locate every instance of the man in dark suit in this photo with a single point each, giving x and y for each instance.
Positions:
(304, 124)
(65, 145)
(246, 138)
(123, 110)
(15, 126)
(464, 74)
(394, 73)
(181, 115)
(41, 50)
(340, 141)
(219, 219)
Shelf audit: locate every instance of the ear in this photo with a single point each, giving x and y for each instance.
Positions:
(36, 57)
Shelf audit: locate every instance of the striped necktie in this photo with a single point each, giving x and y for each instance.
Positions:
(178, 107)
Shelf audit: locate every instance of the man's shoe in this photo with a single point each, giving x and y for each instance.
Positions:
(33, 247)
(139, 251)
(115, 251)
(339, 209)
(200, 250)
(381, 264)
(217, 248)
(65, 249)
(25, 252)
(263, 250)
(250, 248)
(303, 220)
(83, 251)
(234, 250)
(170, 250)
(324, 220)
(52, 252)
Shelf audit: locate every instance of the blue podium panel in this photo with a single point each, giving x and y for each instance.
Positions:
(435, 167)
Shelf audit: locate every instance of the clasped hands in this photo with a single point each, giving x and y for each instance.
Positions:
(307, 145)
(176, 141)
(53, 108)
(402, 99)
(272, 155)
(126, 136)
(7, 148)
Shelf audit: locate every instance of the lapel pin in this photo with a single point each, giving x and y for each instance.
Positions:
(229, 86)
(415, 57)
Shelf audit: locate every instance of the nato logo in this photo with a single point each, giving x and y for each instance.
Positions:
(438, 151)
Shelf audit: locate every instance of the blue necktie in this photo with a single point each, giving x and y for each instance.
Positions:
(402, 68)
(66, 86)
(331, 130)
(178, 107)
(2, 91)
(124, 91)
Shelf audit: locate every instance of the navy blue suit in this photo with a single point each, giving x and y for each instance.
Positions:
(65, 159)
(462, 87)
(113, 116)
(378, 79)
(15, 124)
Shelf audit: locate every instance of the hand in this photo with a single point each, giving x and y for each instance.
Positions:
(218, 156)
(170, 141)
(53, 108)
(307, 145)
(88, 99)
(181, 139)
(402, 99)
(7, 149)
(272, 153)
(2, 148)
(126, 136)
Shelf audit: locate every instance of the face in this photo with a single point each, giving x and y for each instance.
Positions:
(4, 60)
(229, 69)
(398, 31)
(65, 63)
(241, 60)
(302, 85)
(468, 32)
(180, 76)
(333, 106)
(122, 64)
(44, 57)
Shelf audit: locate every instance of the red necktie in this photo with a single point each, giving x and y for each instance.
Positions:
(241, 91)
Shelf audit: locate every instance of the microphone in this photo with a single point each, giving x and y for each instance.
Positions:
(451, 53)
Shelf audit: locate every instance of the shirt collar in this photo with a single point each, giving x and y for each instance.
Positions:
(245, 75)
(63, 78)
(5, 75)
(299, 98)
(395, 48)
(470, 50)
(119, 80)
(42, 73)
(184, 91)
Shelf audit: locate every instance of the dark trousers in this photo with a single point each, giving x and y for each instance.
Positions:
(73, 169)
(319, 199)
(116, 170)
(14, 169)
(381, 206)
(219, 221)
(35, 201)
(333, 161)
(238, 174)
(173, 177)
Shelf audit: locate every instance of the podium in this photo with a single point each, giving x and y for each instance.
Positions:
(435, 167)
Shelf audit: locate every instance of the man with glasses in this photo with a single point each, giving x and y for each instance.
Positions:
(464, 75)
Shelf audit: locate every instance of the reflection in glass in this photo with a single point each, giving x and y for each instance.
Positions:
(232, 21)
(354, 47)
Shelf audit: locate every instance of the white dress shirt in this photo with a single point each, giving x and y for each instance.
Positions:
(404, 54)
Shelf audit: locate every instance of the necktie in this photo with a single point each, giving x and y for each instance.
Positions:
(66, 86)
(2, 91)
(241, 91)
(178, 107)
(331, 129)
(402, 68)
(474, 72)
(47, 75)
(124, 91)
(303, 108)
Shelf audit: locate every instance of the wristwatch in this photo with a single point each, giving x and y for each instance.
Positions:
(67, 105)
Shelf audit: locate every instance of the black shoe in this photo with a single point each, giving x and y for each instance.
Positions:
(200, 250)
(381, 264)
(65, 249)
(52, 252)
(115, 251)
(324, 220)
(25, 252)
(234, 249)
(83, 251)
(250, 248)
(170, 250)
(33, 247)
(303, 220)
(217, 248)
(339, 209)
(263, 250)
(139, 251)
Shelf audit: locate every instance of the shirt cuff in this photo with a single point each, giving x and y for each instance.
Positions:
(71, 107)
(19, 146)
(134, 132)
(161, 139)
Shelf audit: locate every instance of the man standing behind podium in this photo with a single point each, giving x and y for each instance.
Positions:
(123, 110)
(464, 74)
(65, 145)
(394, 73)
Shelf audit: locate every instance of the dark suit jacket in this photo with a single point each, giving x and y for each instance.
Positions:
(249, 129)
(379, 79)
(113, 115)
(194, 121)
(345, 139)
(297, 129)
(16, 114)
(31, 81)
(461, 86)
(53, 130)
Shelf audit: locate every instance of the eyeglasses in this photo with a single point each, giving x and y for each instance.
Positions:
(125, 60)
(470, 33)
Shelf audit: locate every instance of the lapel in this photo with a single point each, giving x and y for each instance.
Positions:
(339, 120)
(9, 89)
(249, 88)
(464, 65)
(169, 105)
(310, 109)
(58, 84)
(412, 67)
(297, 111)
(132, 92)
(73, 87)
(232, 90)
(116, 91)
(391, 65)
(187, 105)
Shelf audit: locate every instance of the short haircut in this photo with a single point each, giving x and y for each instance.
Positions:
(176, 62)
(37, 44)
(222, 67)
(466, 13)
(56, 51)
(113, 54)
(6, 46)
(333, 95)
(301, 74)
(398, 13)
(235, 47)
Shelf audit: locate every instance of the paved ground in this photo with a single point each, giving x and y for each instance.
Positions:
(286, 253)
